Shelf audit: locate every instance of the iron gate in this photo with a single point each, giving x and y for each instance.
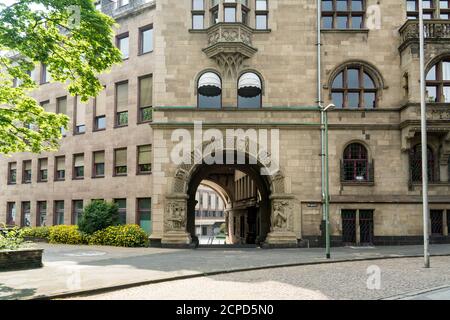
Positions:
(366, 226)
(349, 226)
(437, 221)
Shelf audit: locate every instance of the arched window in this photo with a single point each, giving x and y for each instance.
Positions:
(209, 91)
(249, 91)
(354, 88)
(438, 82)
(416, 164)
(355, 163)
(343, 14)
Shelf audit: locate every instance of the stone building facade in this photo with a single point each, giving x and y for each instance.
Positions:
(255, 65)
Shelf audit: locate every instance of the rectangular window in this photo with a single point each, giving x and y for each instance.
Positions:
(144, 214)
(261, 15)
(78, 166)
(122, 204)
(26, 214)
(11, 214)
(244, 16)
(58, 212)
(261, 5)
(26, 173)
(45, 105)
(77, 211)
(230, 14)
(60, 168)
(45, 75)
(198, 21)
(42, 214)
(198, 5)
(61, 107)
(215, 15)
(99, 164)
(100, 111)
(122, 104)
(144, 159)
(43, 170)
(120, 162)
(145, 98)
(12, 173)
(146, 39)
(80, 116)
(123, 44)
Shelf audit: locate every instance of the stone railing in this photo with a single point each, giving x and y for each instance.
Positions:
(226, 32)
(435, 30)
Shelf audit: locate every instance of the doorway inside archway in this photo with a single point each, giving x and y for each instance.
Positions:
(244, 194)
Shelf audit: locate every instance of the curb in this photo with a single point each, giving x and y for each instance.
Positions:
(88, 292)
(415, 293)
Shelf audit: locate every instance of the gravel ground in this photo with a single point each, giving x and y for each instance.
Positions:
(328, 281)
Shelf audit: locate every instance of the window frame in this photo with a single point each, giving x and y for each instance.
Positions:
(357, 164)
(439, 83)
(349, 14)
(116, 113)
(56, 212)
(39, 177)
(115, 167)
(94, 165)
(141, 39)
(141, 108)
(138, 169)
(23, 213)
(119, 38)
(139, 211)
(198, 94)
(24, 180)
(74, 168)
(56, 177)
(75, 211)
(10, 182)
(39, 212)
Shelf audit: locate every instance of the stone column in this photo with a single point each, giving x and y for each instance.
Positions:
(175, 221)
(282, 221)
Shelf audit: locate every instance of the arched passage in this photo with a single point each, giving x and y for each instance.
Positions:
(268, 220)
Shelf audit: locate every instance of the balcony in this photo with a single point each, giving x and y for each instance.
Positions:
(229, 44)
(435, 31)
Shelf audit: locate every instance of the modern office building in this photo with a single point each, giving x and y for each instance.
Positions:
(209, 215)
(257, 69)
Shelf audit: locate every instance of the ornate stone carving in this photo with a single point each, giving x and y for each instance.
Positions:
(175, 216)
(229, 45)
(281, 219)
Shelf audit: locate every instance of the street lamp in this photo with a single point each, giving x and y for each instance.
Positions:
(325, 175)
(423, 120)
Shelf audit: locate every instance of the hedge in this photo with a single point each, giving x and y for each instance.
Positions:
(65, 235)
(36, 232)
(120, 236)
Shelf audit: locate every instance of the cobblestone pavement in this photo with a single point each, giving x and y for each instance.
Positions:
(347, 280)
(68, 269)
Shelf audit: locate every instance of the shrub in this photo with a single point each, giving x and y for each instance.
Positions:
(98, 215)
(11, 239)
(65, 235)
(120, 236)
(36, 232)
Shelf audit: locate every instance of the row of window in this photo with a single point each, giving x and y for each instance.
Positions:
(354, 87)
(99, 106)
(351, 14)
(357, 168)
(230, 9)
(120, 167)
(143, 213)
(209, 213)
(145, 41)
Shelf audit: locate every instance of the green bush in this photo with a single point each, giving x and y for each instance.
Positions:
(11, 239)
(36, 232)
(65, 235)
(120, 236)
(98, 215)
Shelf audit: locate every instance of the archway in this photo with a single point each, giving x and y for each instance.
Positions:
(271, 223)
(247, 215)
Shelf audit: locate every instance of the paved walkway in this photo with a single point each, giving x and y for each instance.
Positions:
(70, 269)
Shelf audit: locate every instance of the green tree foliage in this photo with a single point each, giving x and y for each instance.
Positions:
(74, 41)
(98, 215)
